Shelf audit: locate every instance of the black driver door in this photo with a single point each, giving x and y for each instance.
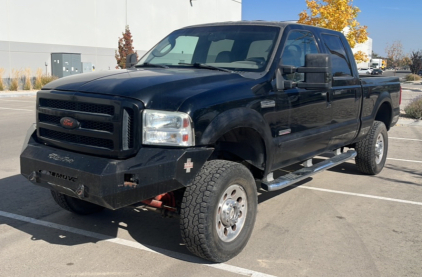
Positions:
(310, 113)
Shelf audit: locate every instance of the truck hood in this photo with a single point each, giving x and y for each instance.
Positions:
(157, 88)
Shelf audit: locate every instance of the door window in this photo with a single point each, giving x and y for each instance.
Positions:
(297, 46)
(340, 65)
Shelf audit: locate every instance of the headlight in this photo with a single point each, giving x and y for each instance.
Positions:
(167, 128)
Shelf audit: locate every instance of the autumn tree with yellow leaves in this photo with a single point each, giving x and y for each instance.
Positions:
(338, 15)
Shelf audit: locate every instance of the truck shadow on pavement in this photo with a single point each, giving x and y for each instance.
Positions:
(351, 169)
(411, 172)
(19, 197)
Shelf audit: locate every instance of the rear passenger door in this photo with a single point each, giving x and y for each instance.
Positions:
(345, 95)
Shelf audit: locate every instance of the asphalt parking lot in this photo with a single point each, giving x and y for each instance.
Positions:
(337, 223)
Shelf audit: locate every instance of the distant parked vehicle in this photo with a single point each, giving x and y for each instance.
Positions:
(376, 71)
(379, 63)
(420, 72)
(364, 71)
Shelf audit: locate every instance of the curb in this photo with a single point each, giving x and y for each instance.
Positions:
(410, 88)
(408, 122)
(17, 94)
(411, 85)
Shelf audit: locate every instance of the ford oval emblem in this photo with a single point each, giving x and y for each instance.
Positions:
(69, 123)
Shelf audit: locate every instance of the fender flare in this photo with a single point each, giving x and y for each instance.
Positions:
(239, 118)
(384, 97)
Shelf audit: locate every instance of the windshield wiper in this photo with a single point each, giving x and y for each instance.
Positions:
(202, 65)
(152, 65)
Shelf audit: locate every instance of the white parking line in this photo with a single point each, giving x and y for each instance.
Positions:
(363, 195)
(410, 161)
(134, 244)
(1, 108)
(404, 139)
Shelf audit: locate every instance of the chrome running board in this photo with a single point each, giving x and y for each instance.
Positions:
(301, 174)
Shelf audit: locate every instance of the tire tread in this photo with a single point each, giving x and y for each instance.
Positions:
(196, 207)
(365, 158)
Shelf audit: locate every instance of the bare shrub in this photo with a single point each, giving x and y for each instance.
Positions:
(38, 79)
(414, 109)
(15, 80)
(412, 77)
(45, 79)
(28, 84)
(2, 86)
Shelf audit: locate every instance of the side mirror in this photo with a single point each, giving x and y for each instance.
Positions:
(131, 60)
(317, 72)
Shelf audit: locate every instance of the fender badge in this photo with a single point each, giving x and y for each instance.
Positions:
(56, 157)
(188, 165)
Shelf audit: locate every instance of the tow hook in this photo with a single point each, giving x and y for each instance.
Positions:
(80, 191)
(33, 177)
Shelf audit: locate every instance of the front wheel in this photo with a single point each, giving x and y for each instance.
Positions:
(372, 151)
(218, 211)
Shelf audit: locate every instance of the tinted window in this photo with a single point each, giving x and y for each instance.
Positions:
(218, 47)
(235, 47)
(182, 52)
(339, 62)
(259, 49)
(298, 44)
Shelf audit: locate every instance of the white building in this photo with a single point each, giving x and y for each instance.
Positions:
(366, 48)
(31, 30)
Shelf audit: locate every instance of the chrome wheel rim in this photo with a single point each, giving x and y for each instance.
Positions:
(379, 148)
(231, 213)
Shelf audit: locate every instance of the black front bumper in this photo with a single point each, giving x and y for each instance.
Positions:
(108, 182)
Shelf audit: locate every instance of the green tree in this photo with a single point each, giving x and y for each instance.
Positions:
(125, 48)
(338, 15)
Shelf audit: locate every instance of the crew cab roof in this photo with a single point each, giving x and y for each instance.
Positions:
(281, 24)
(246, 22)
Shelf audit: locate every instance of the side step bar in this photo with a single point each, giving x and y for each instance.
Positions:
(301, 174)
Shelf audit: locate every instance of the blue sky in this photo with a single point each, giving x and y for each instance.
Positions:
(387, 20)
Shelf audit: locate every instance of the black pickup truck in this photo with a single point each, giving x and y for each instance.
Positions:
(205, 119)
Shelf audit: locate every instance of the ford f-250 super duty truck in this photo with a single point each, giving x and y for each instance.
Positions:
(203, 120)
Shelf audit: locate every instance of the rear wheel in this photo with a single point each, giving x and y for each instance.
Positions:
(218, 211)
(372, 151)
(75, 205)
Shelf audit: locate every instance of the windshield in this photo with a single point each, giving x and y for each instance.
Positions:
(237, 48)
